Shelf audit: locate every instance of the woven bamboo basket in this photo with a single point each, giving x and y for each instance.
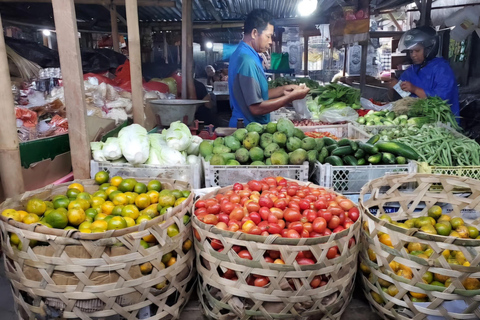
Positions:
(72, 275)
(407, 295)
(289, 294)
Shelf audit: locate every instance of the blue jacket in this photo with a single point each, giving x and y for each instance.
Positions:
(436, 78)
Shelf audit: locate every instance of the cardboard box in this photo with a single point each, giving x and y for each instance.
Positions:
(47, 171)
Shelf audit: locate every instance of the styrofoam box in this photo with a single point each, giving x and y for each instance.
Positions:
(191, 173)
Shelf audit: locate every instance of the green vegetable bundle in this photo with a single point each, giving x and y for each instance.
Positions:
(334, 92)
(440, 147)
(435, 109)
(278, 82)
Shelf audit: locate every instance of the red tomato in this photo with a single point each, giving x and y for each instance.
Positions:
(281, 181)
(348, 224)
(253, 207)
(265, 186)
(237, 249)
(274, 254)
(335, 222)
(342, 217)
(314, 234)
(261, 281)
(250, 280)
(305, 261)
(308, 226)
(291, 215)
(219, 197)
(292, 191)
(229, 274)
(353, 214)
(244, 200)
(297, 226)
(200, 204)
(315, 283)
(255, 230)
(346, 204)
(272, 218)
(216, 244)
(332, 252)
(351, 242)
(332, 203)
(310, 198)
(309, 255)
(226, 207)
(223, 217)
(319, 225)
(294, 205)
(232, 222)
(301, 194)
(264, 212)
(293, 234)
(305, 234)
(201, 212)
(237, 214)
(327, 232)
(210, 202)
(268, 259)
(244, 254)
(336, 210)
(222, 225)
(233, 227)
(284, 232)
(255, 217)
(338, 229)
(310, 215)
(244, 193)
(238, 186)
(277, 212)
(235, 198)
(263, 225)
(274, 228)
(214, 209)
(281, 223)
(304, 204)
(255, 185)
(265, 233)
(327, 215)
(280, 204)
(210, 219)
(320, 204)
(265, 202)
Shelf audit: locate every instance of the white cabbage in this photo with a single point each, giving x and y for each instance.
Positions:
(111, 149)
(162, 154)
(178, 136)
(98, 155)
(194, 147)
(192, 159)
(134, 143)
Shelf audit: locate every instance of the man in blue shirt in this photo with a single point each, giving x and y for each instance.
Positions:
(429, 76)
(250, 98)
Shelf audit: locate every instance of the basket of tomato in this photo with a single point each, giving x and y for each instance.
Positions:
(275, 249)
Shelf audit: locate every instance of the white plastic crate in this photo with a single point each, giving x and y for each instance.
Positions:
(346, 130)
(222, 176)
(351, 179)
(189, 173)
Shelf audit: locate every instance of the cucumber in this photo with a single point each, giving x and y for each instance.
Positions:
(342, 151)
(343, 142)
(350, 161)
(374, 139)
(322, 155)
(388, 158)
(398, 149)
(375, 159)
(401, 160)
(329, 141)
(331, 148)
(334, 161)
(368, 148)
(359, 154)
(354, 145)
(361, 162)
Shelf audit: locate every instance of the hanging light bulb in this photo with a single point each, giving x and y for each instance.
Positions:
(306, 7)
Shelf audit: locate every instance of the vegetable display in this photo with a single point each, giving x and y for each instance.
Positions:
(435, 109)
(440, 147)
(382, 118)
(374, 151)
(278, 82)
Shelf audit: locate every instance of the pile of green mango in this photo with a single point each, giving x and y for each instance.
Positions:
(276, 143)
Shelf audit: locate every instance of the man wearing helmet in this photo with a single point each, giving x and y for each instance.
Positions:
(429, 76)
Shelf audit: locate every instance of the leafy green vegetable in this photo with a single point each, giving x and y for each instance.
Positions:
(435, 109)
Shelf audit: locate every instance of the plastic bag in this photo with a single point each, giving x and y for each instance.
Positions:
(338, 115)
(300, 107)
(369, 105)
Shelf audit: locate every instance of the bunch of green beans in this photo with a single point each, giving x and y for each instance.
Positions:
(440, 147)
(436, 109)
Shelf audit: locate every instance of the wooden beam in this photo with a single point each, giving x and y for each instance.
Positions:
(395, 22)
(119, 16)
(141, 3)
(10, 168)
(363, 67)
(187, 48)
(113, 21)
(305, 55)
(135, 61)
(70, 62)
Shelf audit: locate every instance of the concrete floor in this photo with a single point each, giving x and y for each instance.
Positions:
(358, 308)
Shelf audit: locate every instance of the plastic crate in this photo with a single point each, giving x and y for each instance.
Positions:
(189, 173)
(351, 179)
(222, 176)
(346, 130)
(470, 171)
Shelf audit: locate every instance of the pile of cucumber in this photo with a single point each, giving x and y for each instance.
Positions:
(382, 118)
(348, 152)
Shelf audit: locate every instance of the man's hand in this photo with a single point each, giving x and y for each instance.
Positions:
(287, 89)
(298, 93)
(408, 87)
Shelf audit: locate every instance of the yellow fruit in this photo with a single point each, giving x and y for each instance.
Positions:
(31, 218)
(72, 193)
(463, 232)
(435, 212)
(130, 211)
(394, 265)
(107, 207)
(57, 219)
(100, 216)
(384, 283)
(161, 285)
(392, 290)
(23, 214)
(171, 262)
(146, 268)
(416, 246)
(454, 234)
(166, 200)
(141, 218)
(14, 239)
(179, 200)
(117, 211)
(423, 221)
(371, 255)
(460, 257)
(150, 238)
(466, 264)
(100, 194)
(142, 201)
(36, 206)
(85, 225)
(130, 222)
(472, 232)
(45, 224)
(110, 190)
(429, 252)
(385, 239)
(418, 295)
(444, 217)
(187, 245)
(140, 188)
(145, 245)
(116, 181)
(177, 193)
(378, 298)
(440, 278)
(446, 254)
(99, 225)
(151, 211)
(77, 186)
(471, 284)
(7, 212)
(154, 185)
(76, 216)
(78, 204)
(428, 229)
(131, 197)
(410, 223)
(427, 277)
(116, 223)
(101, 177)
(120, 199)
(172, 230)
(153, 195)
(103, 187)
(457, 222)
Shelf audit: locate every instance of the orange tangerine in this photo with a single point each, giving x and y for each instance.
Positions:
(115, 181)
(153, 196)
(120, 199)
(110, 190)
(76, 186)
(142, 201)
(130, 222)
(107, 207)
(99, 224)
(116, 223)
(130, 211)
(76, 216)
(36, 206)
(31, 218)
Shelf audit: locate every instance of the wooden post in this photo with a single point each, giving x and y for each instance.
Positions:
(165, 46)
(187, 49)
(135, 61)
(363, 67)
(305, 54)
(113, 21)
(10, 168)
(345, 60)
(70, 62)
